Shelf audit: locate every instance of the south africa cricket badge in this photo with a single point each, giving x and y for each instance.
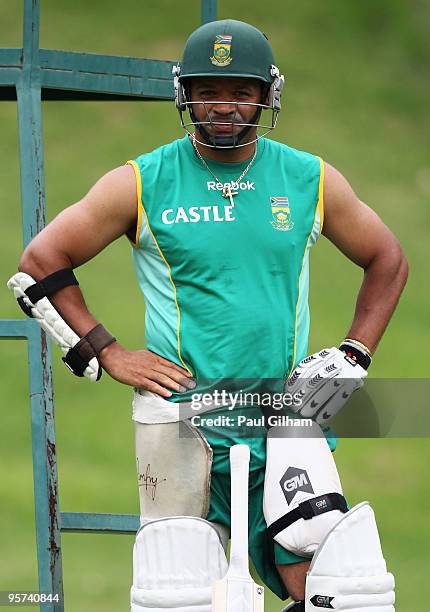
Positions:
(222, 48)
(281, 214)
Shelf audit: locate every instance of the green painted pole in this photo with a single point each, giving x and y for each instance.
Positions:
(39, 350)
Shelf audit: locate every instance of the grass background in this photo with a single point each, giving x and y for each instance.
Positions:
(357, 94)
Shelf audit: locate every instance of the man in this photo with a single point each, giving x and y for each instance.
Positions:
(221, 224)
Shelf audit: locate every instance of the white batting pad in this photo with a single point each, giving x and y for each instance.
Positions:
(173, 470)
(175, 562)
(348, 571)
(299, 468)
(50, 320)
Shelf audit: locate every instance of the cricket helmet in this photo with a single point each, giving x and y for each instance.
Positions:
(228, 48)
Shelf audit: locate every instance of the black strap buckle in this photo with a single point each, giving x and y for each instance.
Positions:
(306, 510)
(75, 363)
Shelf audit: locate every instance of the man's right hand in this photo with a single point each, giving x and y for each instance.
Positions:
(145, 370)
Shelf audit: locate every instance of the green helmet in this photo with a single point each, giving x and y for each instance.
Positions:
(228, 48)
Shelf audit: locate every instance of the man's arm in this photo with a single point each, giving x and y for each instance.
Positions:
(358, 232)
(77, 235)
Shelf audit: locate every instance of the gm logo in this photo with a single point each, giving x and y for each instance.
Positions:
(322, 601)
(321, 505)
(295, 479)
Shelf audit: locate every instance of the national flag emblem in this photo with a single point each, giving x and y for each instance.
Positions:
(281, 214)
(222, 46)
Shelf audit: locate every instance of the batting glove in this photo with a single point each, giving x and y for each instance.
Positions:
(323, 382)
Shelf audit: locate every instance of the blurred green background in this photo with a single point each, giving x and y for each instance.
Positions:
(357, 94)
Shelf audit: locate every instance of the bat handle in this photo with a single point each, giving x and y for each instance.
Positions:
(239, 463)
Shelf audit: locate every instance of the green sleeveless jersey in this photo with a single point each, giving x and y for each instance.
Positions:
(226, 287)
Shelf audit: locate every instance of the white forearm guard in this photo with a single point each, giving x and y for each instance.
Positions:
(83, 363)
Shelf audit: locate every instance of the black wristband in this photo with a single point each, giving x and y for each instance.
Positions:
(99, 338)
(356, 354)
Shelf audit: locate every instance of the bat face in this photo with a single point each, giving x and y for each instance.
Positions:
(237, 595)
(237, 592)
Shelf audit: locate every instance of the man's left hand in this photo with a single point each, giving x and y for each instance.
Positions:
(324, 382)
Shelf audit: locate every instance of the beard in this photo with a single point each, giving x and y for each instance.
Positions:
(225, 131)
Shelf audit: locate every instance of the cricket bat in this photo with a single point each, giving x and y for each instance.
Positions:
(237, 592)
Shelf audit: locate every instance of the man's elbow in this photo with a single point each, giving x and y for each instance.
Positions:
(403, 268)
(394, 260)
(27, 261)
(389, 261)
(36, 262)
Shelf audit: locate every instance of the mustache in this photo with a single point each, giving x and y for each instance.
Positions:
(234, 117)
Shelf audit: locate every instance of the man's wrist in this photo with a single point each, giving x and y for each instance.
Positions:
(99, 338)
(357, 351)
(107, 351)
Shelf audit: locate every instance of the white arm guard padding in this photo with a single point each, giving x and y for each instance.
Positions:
(50, 320)
(175, 562)
(299, 468)
(348, 571)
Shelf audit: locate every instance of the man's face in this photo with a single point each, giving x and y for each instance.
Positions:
(232, 92)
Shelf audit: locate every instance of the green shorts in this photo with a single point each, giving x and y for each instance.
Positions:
(263, 551)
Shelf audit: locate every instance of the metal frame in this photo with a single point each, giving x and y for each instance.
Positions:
(30, 75)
